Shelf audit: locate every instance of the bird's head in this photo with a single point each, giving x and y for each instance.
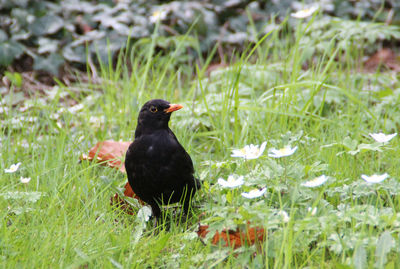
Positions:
(155, 114)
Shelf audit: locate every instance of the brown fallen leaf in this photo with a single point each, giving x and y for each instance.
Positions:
(110, 153)
(212, 67)
(121, 203)
(384, 57)
(235, 238)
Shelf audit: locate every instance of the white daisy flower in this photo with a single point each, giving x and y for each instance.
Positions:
(283, 152)
(382, 138)
(375, 178)
(254, 193)
(158, 15)
(144, 213)
(13, 168)
(249, 152)
(318, 181)
(231, 182)
(25, 180)
(284, 215)
(304, 13)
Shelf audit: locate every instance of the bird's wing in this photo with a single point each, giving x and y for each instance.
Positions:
(158, 156)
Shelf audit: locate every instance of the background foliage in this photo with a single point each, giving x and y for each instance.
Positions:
(56, 35)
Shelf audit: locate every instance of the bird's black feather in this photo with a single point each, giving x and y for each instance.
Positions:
(159, 169)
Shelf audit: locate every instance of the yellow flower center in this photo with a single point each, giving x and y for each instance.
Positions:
(285, 150)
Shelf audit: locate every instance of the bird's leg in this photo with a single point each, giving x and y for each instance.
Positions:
(155, 209)
(187, 199)
(155, 223)
(186, 206)
(156, 215)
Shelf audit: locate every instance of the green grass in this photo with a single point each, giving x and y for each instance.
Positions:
(269, 93)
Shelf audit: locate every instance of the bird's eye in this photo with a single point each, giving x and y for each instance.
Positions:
(153, 109)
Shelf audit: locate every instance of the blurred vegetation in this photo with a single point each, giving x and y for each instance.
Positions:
(59, 35)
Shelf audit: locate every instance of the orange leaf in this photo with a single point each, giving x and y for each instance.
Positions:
(385, 57)
(110, 153)
(121, 203)
(235, 238)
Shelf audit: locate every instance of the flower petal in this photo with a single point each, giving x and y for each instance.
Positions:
(375, 178)
(231, 182)
(254, 193)
(318, 181)
(249, 152)
(25, 180)
(304, 13)
(13, 168)
(283, 152)
(381, 137)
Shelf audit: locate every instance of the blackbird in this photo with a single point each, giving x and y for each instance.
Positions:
(159, 169)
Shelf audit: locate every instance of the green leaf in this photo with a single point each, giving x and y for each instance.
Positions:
(106, 47)
(15, 98)
(360, 258)
(366, 147)
(383, 246)
(3, 36)
(373, 147)
(229, 197)
(75, 54)
(50, 64)
(9, 51)
(49, 24)
(31, 197)
(15, 78)
(47, 45)
(349, 143)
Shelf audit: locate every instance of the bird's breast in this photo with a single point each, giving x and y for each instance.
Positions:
(150, 150)
(160, 146)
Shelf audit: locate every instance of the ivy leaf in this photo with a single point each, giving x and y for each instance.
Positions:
(50, 64)
(49, 24)
(3, 36)
(75, 54)
(9, 51)
(106, 47)
(47, 45)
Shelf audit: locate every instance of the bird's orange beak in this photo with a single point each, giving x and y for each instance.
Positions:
(173, 107)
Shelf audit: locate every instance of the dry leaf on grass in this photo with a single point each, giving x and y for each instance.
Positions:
(121, 203)
(235, 238)
(384, 57)
(112, 153)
